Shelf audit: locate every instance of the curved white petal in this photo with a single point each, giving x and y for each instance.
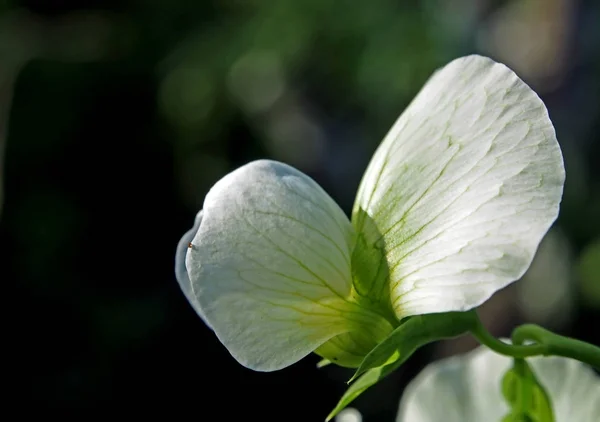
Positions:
(270, 265)
(180, 269)
(462, 189)
(467, 388)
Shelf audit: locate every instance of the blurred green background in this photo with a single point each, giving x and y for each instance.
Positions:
(117, 116)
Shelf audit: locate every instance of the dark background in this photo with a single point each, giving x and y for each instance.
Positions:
(116, 117)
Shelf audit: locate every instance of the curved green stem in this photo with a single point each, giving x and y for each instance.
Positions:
(546, 343)
(479, 331)
(558, 345)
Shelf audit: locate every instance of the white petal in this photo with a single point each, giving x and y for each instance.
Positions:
(463, 188)
(270, 265)
(574, 388)
(467, 389)
(180, 269)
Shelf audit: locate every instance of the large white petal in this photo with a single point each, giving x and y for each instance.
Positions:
(180, 269)
(467, 388)
(270, 266)
(462, 189)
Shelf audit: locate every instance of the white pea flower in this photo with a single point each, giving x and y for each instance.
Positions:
(467, 388)
(451, 209)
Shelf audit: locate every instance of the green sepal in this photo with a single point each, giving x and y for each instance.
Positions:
(416, 332)
(323, 363)
(526, 397)
(392, 352)
(368, 379)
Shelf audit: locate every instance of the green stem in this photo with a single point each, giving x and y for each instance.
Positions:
(479, 331)
(558, 345)
(546, 342)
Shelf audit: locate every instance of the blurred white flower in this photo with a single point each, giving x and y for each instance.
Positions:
(467, 388)
(349, 414)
